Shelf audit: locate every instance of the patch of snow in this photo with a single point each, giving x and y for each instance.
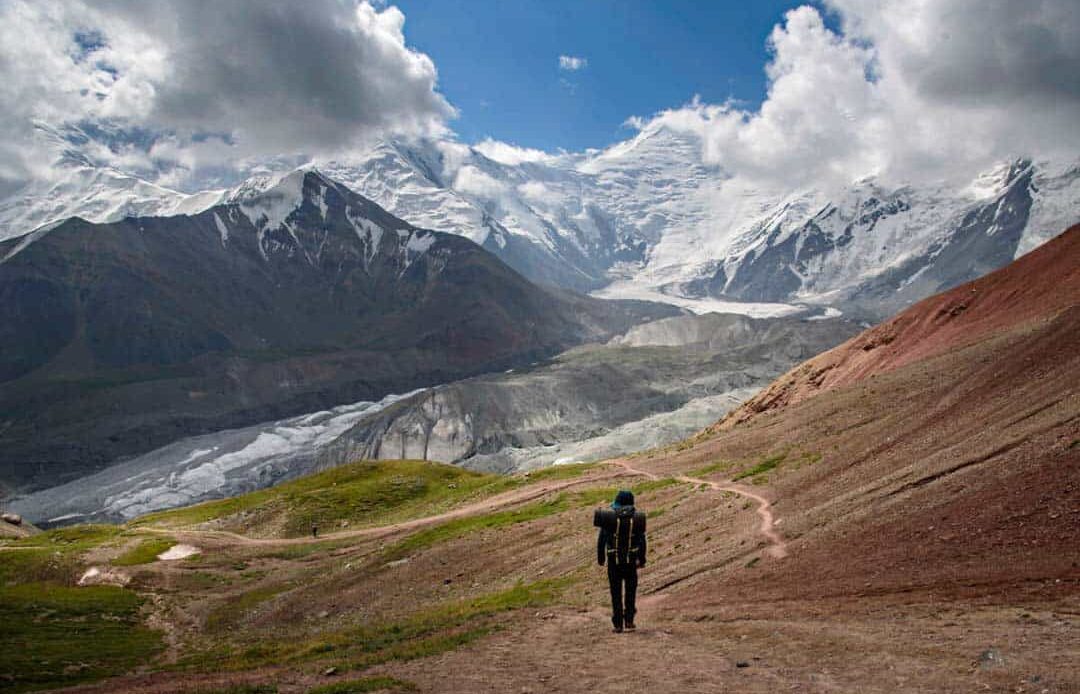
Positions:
(420, 242)
(320, 201)
(177, 552)
(99, 576)
(830, 312)
(222, 229)
(268, 209)
(29, 239)
(367, 231)
(626, 289)
(66, 517)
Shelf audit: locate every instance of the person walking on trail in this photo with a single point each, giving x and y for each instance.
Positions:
(622, 545)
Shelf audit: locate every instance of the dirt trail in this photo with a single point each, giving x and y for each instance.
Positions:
(494, 503)
(778, 548)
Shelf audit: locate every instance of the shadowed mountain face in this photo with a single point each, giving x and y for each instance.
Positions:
(121, 337)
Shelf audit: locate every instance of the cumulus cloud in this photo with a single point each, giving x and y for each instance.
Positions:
(905, 91)
(572, 63)
(203, 83)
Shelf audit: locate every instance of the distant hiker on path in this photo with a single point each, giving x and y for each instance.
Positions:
(314, 530)
(622, 545)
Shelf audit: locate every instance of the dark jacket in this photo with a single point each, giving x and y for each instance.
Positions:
(624, 540)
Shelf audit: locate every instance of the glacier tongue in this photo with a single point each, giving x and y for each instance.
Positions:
(204, 467)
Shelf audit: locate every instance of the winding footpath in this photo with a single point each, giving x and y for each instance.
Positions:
(777, 548)
(494, 503)
(767, 526)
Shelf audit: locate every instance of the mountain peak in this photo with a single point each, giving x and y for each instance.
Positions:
(269, 200)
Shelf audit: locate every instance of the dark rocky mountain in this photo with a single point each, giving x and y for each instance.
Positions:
(297, 295)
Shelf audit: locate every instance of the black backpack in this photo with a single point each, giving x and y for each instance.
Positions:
(622, 526)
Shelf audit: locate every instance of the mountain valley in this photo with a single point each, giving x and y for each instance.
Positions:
(907, 496)
(303, 295)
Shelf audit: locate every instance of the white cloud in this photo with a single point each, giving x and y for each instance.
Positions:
(538, 192)
(208, 84)
(906, 91)
(572, 63)
(510, 154)
(473, 181)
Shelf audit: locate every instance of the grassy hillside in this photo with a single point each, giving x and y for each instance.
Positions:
(355, 495)
(66, 633)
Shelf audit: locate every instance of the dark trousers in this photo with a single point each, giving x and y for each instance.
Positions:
(622, 577)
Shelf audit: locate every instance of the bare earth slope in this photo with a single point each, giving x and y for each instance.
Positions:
(1035, 287)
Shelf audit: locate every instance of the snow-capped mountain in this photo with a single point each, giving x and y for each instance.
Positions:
(296, 295)
(648, 218)
(78, 187)
(878, 249)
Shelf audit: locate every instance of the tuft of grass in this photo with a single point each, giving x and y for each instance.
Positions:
(57, 636)
(604, 495)
(145, 552)
(721, 466)
(807, 458)
(558, 472)
(427, 633)
(199, 581)
(72, 538)
(359, 494)
(366, 684)
(52, 556)
(762, 467)
(307, 549)
(448, 626)
(237, 607)
(462, 526)
(498, 519)
(38, 565)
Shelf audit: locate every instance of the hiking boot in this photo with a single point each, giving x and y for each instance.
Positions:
(617, 630)
(630, 626)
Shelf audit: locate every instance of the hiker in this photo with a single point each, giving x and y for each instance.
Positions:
(622, 545)
(314, 530)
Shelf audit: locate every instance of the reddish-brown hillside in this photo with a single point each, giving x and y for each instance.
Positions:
(1036, 287)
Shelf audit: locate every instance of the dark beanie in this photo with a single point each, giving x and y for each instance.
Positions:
(625, 497)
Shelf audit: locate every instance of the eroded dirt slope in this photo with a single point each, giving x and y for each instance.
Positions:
(1035, 287)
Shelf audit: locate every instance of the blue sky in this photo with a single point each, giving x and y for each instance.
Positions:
(498, 62)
